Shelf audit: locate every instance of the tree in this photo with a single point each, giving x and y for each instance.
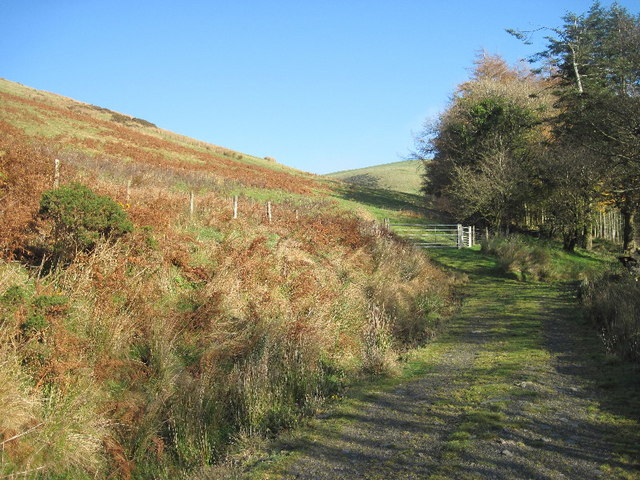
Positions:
(483, 145)
(596, 59)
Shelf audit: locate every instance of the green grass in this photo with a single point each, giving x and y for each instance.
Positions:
(385, 204)
(402, 176)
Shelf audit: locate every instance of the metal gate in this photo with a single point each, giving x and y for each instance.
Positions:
(433, 236)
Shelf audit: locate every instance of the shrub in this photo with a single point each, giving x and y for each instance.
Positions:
(80, 218)
(14, 295)
(519, 260)
(365, 179)
(34, 323)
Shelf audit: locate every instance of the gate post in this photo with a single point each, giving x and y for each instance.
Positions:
(460, 235)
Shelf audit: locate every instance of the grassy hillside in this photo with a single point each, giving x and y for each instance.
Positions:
(402, 176)
(140, 337)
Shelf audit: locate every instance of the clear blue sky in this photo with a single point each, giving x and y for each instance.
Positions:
(319, 85)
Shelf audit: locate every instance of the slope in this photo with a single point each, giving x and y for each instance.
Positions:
(402, 176)
(95, 131)
(145, 352)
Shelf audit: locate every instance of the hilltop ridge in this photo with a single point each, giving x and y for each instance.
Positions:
(404, 176)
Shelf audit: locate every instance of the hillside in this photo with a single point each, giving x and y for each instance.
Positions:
(95, 131)
(402, 176)
(144, 329)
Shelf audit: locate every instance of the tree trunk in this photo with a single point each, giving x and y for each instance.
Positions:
(570, 240)
(628, 233)
(574, 64)
(586, 239)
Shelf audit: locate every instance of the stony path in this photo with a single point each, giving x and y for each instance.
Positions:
(511, 392)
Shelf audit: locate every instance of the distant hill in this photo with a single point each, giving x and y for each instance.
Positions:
(402, 176)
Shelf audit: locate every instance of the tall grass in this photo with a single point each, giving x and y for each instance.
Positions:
(148, 356)
(518, 259)
(613, 305)
(527, 258)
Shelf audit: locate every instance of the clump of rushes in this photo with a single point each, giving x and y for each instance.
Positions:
(519, 260)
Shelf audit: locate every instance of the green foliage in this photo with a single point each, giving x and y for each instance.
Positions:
(126, 120)
(364, 179)
(39, 308)
(525, 258)
(14, 295)
(521, 261)
(595, 50)
(46, 302)
(485, 144)
(150, 241)
(594, 157)
(486, 120)
(36, 322)
(80, 218)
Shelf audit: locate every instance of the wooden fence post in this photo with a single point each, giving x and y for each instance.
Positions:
(56, 173)
(269, 211)
(128, 200)
(460, 236)
(192, 202)
(235, 207)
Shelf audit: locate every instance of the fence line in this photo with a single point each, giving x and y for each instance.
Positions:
(606, 224)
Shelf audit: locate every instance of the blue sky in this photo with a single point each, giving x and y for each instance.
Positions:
(319, 85)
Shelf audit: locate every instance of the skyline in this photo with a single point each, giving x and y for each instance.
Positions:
(321, 87)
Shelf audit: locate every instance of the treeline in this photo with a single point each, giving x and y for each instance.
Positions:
(546, 149)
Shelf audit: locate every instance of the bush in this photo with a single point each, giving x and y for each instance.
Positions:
(80, 218)
(519, 260)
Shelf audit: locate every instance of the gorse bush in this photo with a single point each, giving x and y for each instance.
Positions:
(79, 218)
